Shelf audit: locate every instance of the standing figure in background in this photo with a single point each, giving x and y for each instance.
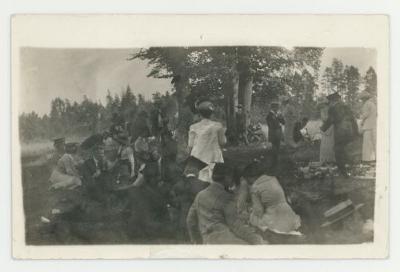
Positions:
(290, 116)
(205, 140)
(344, 127)
(275, 135)
(326, 150)
(125, 153)
(368, 127)
(157, 119)
(145, 148)
(300, 133)
(140, 124)
(241, 127)
(117, 124)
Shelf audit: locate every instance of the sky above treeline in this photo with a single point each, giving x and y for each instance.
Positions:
(73, 73)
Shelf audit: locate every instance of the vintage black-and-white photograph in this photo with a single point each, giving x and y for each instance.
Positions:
(202, 145)
(199, 145)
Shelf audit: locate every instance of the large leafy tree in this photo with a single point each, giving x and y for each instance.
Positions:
(231, 75)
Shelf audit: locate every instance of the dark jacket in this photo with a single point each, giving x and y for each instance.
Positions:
(344, 124)
(92, 185)
(274, 122)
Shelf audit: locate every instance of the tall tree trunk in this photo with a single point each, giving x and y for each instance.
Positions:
(245, 91)
(180, 82)
(231, 90)
(245, 94)
(245, 82)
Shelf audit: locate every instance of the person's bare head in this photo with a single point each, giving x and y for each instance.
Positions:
(223, 174)
(205, 109)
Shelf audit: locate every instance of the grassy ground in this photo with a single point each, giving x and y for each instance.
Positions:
(310, 198)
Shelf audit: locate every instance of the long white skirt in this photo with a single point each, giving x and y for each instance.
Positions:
(327, 153)
(369, 145)
(59, 180)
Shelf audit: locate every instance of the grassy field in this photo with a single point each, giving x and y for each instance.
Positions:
(36, 200)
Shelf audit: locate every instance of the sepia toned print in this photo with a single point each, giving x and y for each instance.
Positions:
(189, 146)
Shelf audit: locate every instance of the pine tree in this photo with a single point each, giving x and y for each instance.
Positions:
(352, 79)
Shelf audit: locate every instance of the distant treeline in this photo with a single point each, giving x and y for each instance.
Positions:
(68, 118)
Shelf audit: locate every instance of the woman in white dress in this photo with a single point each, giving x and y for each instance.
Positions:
(205, 140)
(66, 175)
(368, 127)
(326, 152)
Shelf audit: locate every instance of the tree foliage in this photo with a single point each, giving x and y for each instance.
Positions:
(80, 119)
(232, 75)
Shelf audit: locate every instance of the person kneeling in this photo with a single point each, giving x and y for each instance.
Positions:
(213, 216)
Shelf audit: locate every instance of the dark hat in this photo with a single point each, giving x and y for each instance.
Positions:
(58, 141)
(121, 138)
(240, 106)
(253, 169)
(193, 166)
(92, 141)
(333, 96)
(220, 171)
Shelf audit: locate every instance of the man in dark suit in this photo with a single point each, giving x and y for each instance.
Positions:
(92, 168)
(344, 127)
(275, 134)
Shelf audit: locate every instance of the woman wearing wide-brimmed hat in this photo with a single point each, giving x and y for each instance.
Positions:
(368, 127)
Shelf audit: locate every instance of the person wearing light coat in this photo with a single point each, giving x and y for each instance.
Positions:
(368, 127)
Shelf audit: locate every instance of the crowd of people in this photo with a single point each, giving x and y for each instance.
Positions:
(132, 169)
(340, 127)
